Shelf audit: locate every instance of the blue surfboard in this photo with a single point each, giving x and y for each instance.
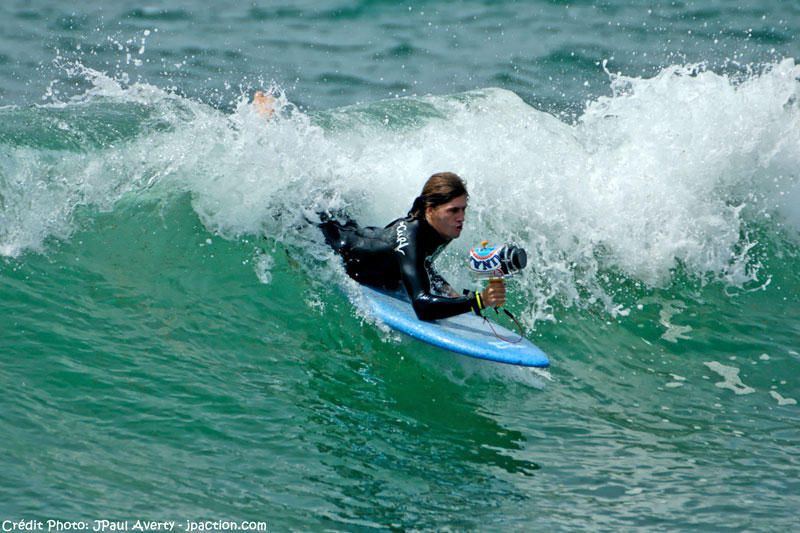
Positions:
(465, 334)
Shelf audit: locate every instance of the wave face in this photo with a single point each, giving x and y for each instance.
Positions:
(689, 173)
(177, 342)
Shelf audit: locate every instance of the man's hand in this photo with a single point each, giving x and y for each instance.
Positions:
(494, 295)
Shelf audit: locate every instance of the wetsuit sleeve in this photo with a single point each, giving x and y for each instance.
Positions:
(439, 282)
(426, 305)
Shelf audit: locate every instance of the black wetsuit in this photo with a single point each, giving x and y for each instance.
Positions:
(401, 253)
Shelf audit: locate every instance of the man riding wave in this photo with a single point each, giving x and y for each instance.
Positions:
(402, 253)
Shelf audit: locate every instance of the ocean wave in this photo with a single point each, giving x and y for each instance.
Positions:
(676, 172)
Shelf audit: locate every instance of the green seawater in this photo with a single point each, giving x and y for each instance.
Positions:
(177, 343)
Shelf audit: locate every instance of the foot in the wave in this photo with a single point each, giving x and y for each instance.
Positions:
(264, 103)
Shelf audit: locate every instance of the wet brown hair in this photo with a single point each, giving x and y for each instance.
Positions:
(439, 189)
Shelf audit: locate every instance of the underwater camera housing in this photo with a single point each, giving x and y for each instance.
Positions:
(493, 262)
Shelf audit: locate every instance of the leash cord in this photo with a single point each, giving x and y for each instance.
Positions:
(514, 319)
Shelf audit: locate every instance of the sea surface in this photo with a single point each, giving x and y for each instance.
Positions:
(178, 344)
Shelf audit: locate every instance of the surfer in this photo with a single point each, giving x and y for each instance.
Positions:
(402, 253)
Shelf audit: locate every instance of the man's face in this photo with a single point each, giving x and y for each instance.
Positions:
(448, 219)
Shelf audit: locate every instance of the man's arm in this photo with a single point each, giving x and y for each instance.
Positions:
(426, 305)
(441, 284)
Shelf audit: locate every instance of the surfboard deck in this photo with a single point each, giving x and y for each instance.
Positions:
(465, 334)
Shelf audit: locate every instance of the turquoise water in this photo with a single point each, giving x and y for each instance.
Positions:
(178, 344)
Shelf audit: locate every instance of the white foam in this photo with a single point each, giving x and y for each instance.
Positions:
(781, 400)
(263, 267)
(43, 187)
(663, 173)
(731, 380)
